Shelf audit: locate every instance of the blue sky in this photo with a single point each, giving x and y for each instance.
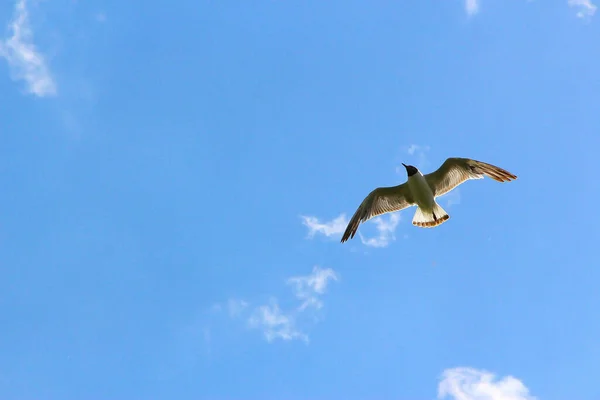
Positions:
(176, 181)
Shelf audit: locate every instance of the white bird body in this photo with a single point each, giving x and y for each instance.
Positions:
(429, 213)
(421, 191)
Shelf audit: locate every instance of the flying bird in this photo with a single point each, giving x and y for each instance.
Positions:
(421, 190)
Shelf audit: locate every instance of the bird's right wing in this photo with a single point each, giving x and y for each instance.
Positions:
(455, 171)
(380, 201)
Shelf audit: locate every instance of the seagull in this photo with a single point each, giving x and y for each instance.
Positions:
(421, 190)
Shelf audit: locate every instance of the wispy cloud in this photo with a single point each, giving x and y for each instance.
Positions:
(100, 17)
(472, 7)
(207, 339)
(277, 323)
(418, 153)
(452, 198)
(472, 384)
(386, 226)
(412, 148)
(585, 8)
(25, 61)
(335, 227)
(236, 307)
(309, 287)
(416, 148)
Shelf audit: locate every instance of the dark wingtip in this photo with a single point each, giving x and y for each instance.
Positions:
(349, 233)
(346, 237)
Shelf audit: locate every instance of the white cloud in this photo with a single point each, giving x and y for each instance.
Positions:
(412, 148)
(472, 384)
(452, 198)
(309, 287)
(585, 7)
(419, 153)
(207, 339)
(472, 6)
(275, 324)
(385, 228)
(385, 225)
(334, 227)
(215, 308)
(236, 307)
(100, 17)
(25, 62)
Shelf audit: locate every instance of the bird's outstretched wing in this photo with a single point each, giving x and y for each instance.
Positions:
(380, 201)
(455, 171)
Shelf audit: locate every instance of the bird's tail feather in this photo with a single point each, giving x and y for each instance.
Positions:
(429, 219)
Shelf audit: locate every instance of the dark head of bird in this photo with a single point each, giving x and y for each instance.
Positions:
(410, 170)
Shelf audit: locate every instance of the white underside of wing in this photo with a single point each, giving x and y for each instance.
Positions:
(453, 178)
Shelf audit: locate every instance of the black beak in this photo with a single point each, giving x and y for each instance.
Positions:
(404, 165)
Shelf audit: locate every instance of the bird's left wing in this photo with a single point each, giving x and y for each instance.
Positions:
(380, 201)
(455, 171)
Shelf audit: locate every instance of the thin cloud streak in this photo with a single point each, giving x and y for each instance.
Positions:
(25, 62)
(415, 151)
(472, 7)
(236, 307)
(385, 225)
(585, 8)
(451, 198)
(472, 384)
(309, 287)
(100, 17)
(385, 228)
(276, 323)
(332, 228)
